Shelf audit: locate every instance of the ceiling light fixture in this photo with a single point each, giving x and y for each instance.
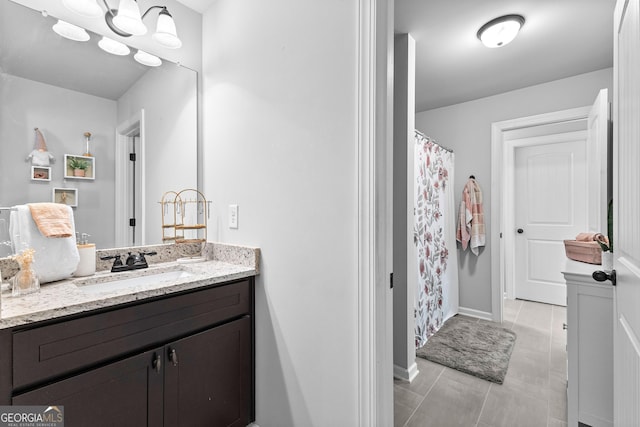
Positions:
(126, 20)
(70, 31)
(500, 31)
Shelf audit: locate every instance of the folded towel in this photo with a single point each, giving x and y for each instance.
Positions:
(586, 237)
(52, 219)
(591, 237)
(54, 259)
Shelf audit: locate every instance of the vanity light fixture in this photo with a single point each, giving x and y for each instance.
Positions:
(113, 47)
(147, 59)
(70, 31)
(126, 20)
(500, 31)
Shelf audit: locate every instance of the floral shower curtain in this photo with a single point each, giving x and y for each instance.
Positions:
(433, 236)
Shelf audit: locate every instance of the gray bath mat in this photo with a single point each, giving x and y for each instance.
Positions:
(474, 347)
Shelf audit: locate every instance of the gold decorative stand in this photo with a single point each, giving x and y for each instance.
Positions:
(184, 217)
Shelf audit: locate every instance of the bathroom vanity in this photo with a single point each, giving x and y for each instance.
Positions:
(589, 347)
(178, 352)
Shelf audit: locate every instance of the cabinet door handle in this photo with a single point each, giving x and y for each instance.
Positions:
(157, 362)
(173, 356)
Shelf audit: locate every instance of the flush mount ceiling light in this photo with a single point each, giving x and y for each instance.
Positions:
(126, 20)
(500, 31)
(70, 31)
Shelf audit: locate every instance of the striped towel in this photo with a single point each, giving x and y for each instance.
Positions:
(471, 230)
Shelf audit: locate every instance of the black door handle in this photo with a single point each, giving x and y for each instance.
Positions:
(520, 230)
(601, 276)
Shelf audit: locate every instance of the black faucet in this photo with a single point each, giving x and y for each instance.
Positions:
(133, 262)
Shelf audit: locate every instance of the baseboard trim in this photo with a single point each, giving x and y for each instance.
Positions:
(407, 375)
(475, 313)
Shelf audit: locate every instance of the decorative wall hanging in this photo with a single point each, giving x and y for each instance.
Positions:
(79, 167)
(87, 137)
(40, 173)
(40, 156)
(66, 196)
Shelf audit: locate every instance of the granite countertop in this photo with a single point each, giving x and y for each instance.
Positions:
(72, 296)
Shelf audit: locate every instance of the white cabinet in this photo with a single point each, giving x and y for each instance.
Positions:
(589, 347)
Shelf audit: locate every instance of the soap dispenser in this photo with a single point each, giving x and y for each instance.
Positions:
(87, 251)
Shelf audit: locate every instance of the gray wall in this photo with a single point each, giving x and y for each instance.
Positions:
(466, 128)
(280, 140)
(63, 116)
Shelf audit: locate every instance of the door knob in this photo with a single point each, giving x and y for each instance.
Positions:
(520, 230)
(601, 276)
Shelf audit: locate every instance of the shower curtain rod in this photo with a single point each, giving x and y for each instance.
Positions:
(441, 146)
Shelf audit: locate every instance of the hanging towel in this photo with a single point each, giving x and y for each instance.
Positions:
(54, 259)
(471, 229)
(52, 219)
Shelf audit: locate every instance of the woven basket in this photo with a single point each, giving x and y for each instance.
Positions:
(589, 252)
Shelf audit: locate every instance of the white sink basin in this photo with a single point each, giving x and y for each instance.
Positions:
(97, 285)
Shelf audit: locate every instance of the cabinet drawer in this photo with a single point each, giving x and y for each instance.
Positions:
(47, 352)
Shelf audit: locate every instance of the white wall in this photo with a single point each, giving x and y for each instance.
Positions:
(280, 140)
(466, 128)
(63, 116)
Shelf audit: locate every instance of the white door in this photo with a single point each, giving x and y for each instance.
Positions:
(550, 206)
(626, 198)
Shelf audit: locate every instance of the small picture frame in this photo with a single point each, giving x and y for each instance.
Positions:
(40, 173)
(79, 167)
(66, 196)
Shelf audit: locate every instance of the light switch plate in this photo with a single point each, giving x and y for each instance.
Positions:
(233, 216)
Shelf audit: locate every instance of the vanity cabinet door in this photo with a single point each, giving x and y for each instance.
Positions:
(208, 377)
(123, 393)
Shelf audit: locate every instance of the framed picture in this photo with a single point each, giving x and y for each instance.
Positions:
(79, 167)
(40, 173)
(66, 196)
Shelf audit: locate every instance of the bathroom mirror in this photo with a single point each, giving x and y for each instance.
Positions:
(67, 88)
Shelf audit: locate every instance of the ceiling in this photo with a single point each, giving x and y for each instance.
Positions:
(199, 6)
(41, 55)
(560, 38)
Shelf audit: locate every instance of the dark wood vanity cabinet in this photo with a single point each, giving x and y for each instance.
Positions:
(180, 360)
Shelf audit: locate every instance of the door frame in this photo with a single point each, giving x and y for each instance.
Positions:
(131, 126)
(502, 174)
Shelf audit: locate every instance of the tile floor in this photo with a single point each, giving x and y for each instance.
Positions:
(533, 393)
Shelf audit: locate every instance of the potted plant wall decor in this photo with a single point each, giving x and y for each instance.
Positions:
(79, 167)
